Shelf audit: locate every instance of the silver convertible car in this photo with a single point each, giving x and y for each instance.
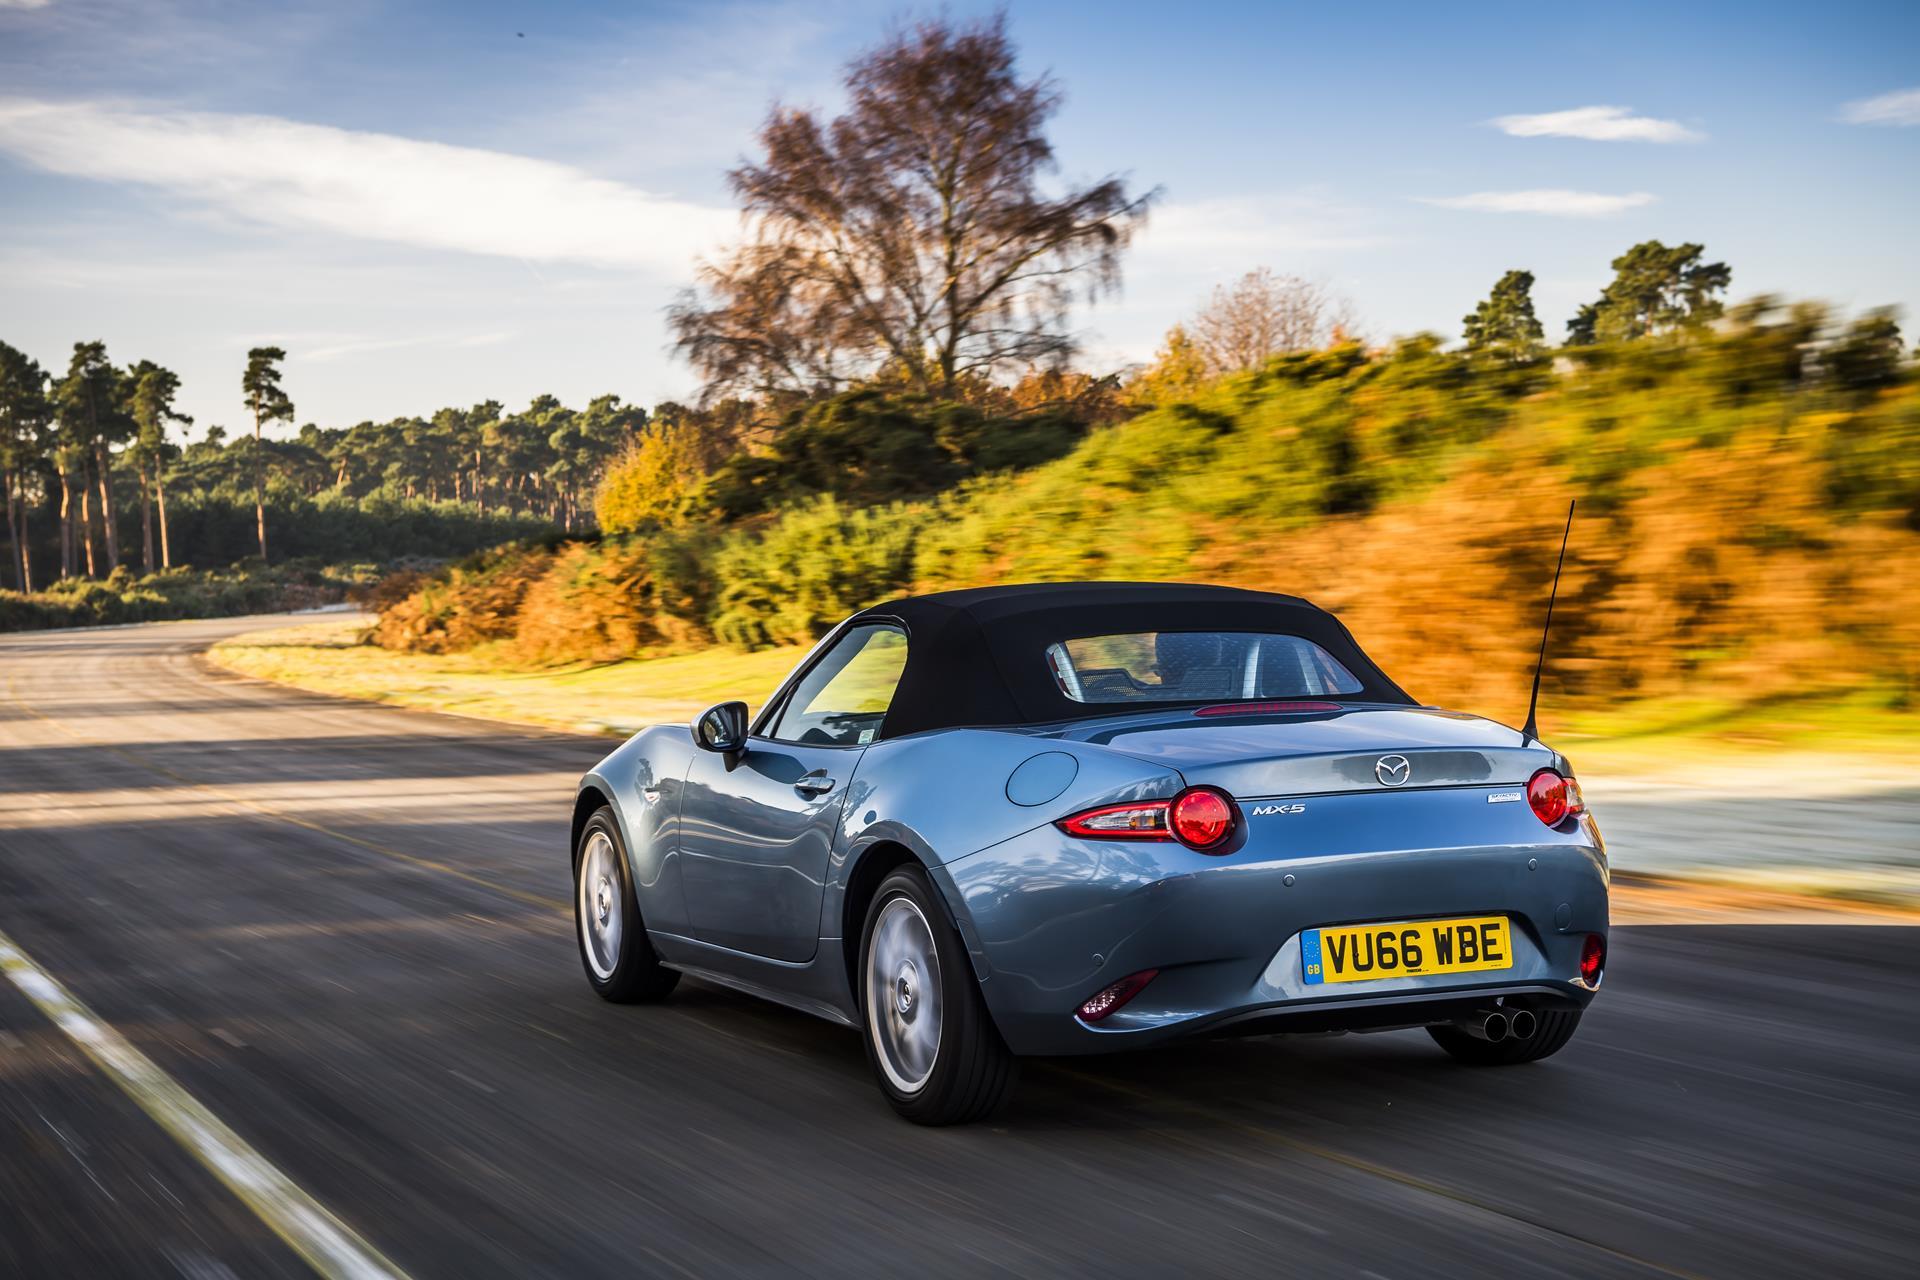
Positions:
(1058, 819)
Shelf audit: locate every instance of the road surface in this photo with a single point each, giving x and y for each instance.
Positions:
(339, 928)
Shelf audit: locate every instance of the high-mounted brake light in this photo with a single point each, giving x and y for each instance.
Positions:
(1554, 798)
(1202, 818)
(1266, 708)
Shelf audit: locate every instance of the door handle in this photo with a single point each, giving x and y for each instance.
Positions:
(814, 784)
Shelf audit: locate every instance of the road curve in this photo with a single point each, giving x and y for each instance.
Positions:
(340, 928)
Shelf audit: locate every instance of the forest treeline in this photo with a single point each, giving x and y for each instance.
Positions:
(97, 478)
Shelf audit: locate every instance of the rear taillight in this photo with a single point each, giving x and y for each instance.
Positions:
(1554, 798)
(1111, 998)
(1202, 818)
(1146, 820)
(1593, 959)
(1267, 708)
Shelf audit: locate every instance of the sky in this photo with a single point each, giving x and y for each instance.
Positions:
(441, 203)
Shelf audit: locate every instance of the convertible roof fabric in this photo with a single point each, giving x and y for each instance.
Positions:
(978, 657)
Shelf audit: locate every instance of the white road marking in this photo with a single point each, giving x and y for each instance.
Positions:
(328, 1245)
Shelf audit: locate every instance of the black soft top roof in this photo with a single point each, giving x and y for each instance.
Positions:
(977, 657)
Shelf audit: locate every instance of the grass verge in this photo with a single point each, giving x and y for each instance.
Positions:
(1690, 741)
(614, 698)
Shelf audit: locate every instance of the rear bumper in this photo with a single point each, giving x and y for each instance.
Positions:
(1052, 920)
(1386, 1013)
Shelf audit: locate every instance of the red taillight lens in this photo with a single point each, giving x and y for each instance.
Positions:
(1593, 959)
(1202, 818)
(1548, 793)
(1113, 997)
(1266, 708)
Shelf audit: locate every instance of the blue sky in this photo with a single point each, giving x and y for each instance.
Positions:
(427, 207)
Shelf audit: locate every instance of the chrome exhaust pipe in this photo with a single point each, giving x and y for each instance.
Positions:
(1491, 1026)
(1521, 1024)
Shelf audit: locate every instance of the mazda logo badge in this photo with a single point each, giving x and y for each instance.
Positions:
(1392, 770)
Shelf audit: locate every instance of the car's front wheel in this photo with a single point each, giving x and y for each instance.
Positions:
(614, 950)
(1551, 1029)
(932, 1043)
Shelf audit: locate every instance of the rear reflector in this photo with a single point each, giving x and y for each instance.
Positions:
(1266, 708)
(1593, 959)
(1114, 996)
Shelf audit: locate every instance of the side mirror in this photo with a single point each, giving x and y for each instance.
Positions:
(722, 728)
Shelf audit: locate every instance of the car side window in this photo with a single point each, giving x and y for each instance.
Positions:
(843, 699)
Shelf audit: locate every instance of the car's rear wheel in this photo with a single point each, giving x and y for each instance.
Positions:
(1552, 1029)
(934, 1048)
(614, 950)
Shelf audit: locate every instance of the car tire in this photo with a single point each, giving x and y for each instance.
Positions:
(930, 1040)
(614, 950)
(1554, 1028)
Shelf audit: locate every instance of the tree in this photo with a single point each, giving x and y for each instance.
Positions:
(1178, 370)
(260, 384)
(25, 417)
(473, 441)
(1655, 290)
(88, 397)
(153, 391)
(1582, 329)
(1262, 315)
(1867, 355)
(584, 445)
(1504, 326)
(651, 482)
(913, 230)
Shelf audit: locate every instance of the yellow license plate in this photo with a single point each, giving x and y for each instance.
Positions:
(1405, 949)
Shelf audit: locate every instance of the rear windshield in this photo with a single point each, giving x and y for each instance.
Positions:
(1195, 666)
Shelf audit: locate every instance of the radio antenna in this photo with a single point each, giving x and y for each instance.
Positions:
(1533, 703)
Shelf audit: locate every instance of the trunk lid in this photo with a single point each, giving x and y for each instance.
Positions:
(1356, 748)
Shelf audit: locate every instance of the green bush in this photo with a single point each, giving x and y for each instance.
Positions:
(811, 567)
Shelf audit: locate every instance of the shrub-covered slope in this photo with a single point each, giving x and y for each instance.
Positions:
(1750, 525)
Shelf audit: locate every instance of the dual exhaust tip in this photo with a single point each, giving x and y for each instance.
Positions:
(1496, 1025)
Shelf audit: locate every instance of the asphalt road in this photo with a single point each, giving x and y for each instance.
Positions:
(340, 928)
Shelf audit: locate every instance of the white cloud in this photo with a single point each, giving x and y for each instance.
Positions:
(1251, 229)
(1552, 202)
(24, 4)
(372, 186)
(332, 347)
(1902, 106)
(1598, 124)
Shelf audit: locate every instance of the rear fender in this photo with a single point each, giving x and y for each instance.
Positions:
(943, 797)
(642, 781)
